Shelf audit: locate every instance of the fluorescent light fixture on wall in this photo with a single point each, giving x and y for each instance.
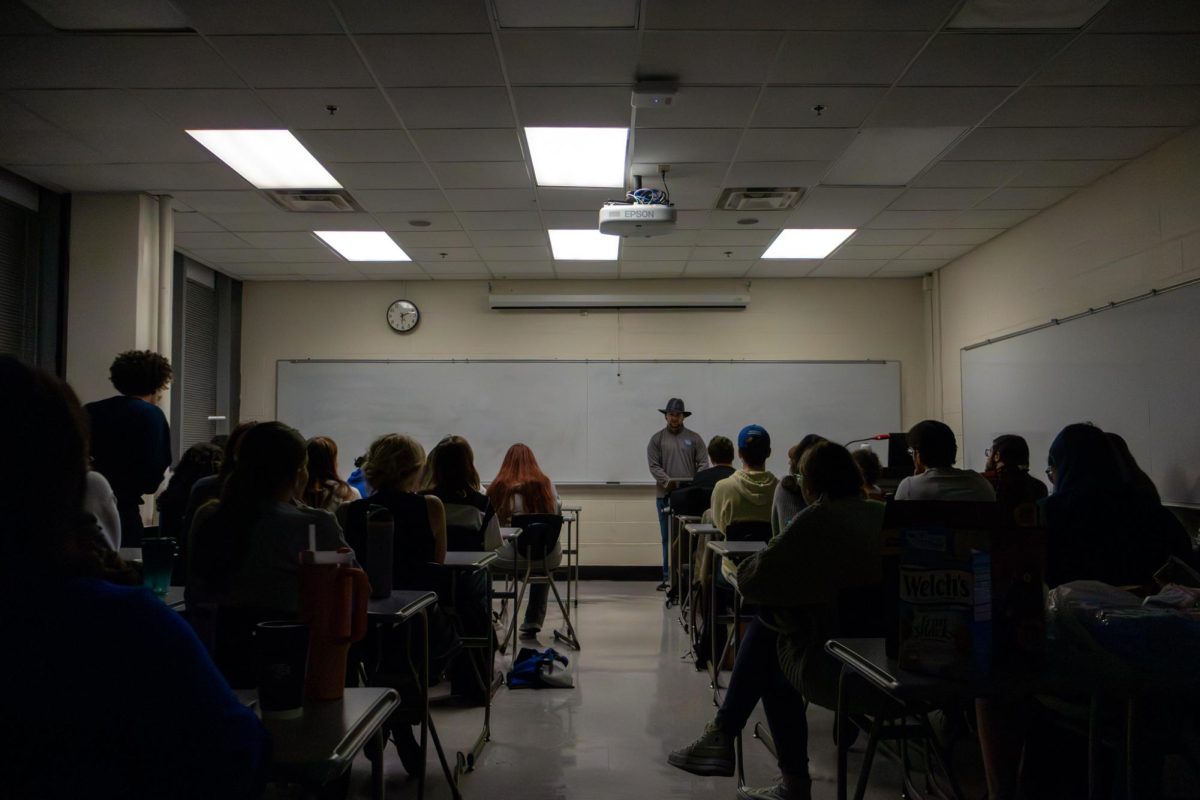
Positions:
(578, 156)
(269, 159)
(584, 245)
(807, 242)
(363, 245)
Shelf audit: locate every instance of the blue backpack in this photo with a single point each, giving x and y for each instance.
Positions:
(539, 670)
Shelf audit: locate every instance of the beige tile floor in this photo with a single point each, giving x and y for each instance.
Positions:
(636, 698)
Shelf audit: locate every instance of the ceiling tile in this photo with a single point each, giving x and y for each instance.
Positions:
(729, 253)
(852, 252)
(401, 200)
(1063, 173)
(1055, 106)
(432, 239)
(982, 59)
(491, 199)
(18, 118)
(415, 16)
(574, 106)
(358, 146)
(704, 57)
(890, 156)
(192, 221)
(773, 220)
(936, 251)
(716, 269)
(908, 269)
(284, 221)
(589, 200)
(515, 238)
(526, 253)
(1128, 60)
(570, 220)
(247, 201)
(84, 108)
(405, 175)
(881, 237)
(220, 17)
(787, 14)
(676, 238)
(209, 108)
(922, 199)
(686, 172)
(128, 177)
(283, 241)
(438, 221)
(384, 270)
(566, 14)
(154, 143)
(972, 236)
(309, 108)
(457, 270)
(1009, 198)
(500, 220)
(669, 146)
(174, 61)
(234, 256)
(453, 107)
(294, 61)
(430, 60)
(925, 107)
(541, 58)
(912, 220)
(838, 207)
(701, 107)
(776, 173)
(515, 269)
(1137, 16)
(655, 252)
(854, 59)
(786, 268)
(968, 173)
(587, 269)
(302, 255)
(490, 144)
(846, 269)
(436, 255)
(794, 144)
(841, 106)
(735, 237)
(222, 240)
(483, 175)
(989, 219)
(42, 147)
(1059, 143)
(651, 269)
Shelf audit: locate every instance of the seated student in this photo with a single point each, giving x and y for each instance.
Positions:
(325, 489)
(748, 494)
(832, 545)
(198, 461)
(789, 500)
(148, 716)
(101, 503)
(131, 441)
(1008, 470)
(455, 481)
(245, 548)
(934, 448)
(871, 469)
(357, 480)
(209, 487)
(520, 487)
(1100, 524)
(720, 453)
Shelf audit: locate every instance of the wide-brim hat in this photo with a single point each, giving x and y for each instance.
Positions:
(675, 406)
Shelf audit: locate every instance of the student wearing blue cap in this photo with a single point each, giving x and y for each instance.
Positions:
(747, 494)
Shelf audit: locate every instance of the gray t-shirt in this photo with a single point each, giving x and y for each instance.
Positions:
(946, 483)
(675, 455)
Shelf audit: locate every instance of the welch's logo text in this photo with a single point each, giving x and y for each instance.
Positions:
(935, 586)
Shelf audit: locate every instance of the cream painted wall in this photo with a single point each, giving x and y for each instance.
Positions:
(787, 319)
(1134, 230)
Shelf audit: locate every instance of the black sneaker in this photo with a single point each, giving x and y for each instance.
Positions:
(711, 754)
(662, 587)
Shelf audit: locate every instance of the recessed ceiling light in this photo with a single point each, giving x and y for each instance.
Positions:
(269, 159)
(807, 242)
(363, 245)
(578, 156)
(420, 223)
(584, 245)
(747, 221)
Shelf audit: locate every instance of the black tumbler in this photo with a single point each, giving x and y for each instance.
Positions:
(280, 656)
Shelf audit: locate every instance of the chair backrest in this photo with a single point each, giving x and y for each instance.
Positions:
(539, 534)
(464, 538)
(748, 530)
(690, 501)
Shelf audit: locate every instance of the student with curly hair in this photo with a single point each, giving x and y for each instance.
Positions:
(131, 441)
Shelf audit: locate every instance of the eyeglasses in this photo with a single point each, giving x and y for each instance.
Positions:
(1050, 473)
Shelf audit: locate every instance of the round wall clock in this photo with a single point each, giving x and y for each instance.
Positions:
(403, 316)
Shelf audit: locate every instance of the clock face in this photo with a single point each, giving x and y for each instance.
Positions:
(403, 316)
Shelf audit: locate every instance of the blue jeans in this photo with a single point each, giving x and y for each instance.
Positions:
(664, 527)
(757, 676)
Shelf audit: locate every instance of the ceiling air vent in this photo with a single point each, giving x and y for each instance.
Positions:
(313, 200)
(759, 199)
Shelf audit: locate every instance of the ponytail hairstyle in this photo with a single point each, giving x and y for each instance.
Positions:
(520, 474)
(392, 461)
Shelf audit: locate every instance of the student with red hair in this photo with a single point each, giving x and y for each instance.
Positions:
(522, 488)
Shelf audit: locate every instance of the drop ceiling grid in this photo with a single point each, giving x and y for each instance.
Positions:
(437, 117)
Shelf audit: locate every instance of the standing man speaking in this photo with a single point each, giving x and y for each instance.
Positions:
(675, 455)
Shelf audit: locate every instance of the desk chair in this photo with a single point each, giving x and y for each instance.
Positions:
(689, 501)
(461, 538)
(539, 536)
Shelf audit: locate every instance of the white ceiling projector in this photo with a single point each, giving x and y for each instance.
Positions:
(637, 219)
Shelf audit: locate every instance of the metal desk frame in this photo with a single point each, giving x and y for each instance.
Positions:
(571, 516)
(734, 551)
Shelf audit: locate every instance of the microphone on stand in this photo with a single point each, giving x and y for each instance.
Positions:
(879, 437)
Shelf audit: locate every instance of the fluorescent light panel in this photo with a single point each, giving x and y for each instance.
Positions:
(807, 242)
(363, 245)
(584, 245)
(269, 159)
(578, 156)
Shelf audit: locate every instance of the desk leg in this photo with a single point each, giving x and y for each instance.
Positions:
(377, 766)
(714, 667)
(424, 684)
(578, 554)
(842, 719)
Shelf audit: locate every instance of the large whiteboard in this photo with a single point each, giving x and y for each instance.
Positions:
(1133, 369)
(587, 421)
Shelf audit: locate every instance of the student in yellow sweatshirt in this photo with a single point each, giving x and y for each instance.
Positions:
(748, 493)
